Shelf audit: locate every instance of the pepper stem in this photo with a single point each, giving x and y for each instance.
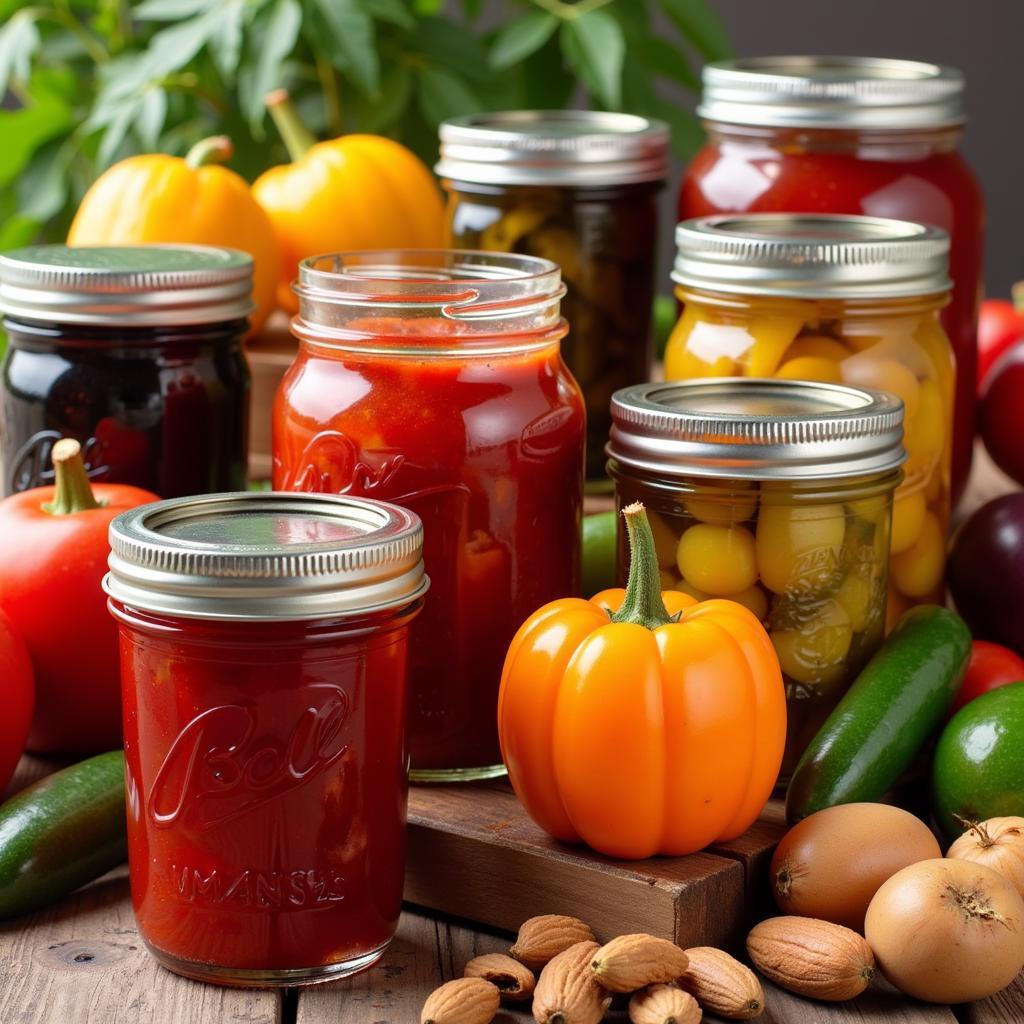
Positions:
(298, 139)
(73, 492)
(214, 150)
(643, 604)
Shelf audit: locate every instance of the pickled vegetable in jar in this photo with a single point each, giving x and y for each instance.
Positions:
(850, 135)
(777, 495)
(578, 188)
(844, 300)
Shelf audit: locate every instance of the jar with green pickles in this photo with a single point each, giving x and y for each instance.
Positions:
(776, 494)
(579, 188)
(840, 299)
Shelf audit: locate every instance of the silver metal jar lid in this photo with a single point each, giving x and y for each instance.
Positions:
(756, 429)
(126, 285)
(266, 556)
(554, 147)
(812, 256)
(832, 92)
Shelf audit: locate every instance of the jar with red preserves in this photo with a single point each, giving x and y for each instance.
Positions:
(263, 670)
(434, 379)
(857, 136)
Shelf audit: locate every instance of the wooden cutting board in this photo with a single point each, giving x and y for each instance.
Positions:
(474, 853)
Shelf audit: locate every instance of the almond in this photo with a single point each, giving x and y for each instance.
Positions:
(542, 938)
(812, 958)
(722, 985)
(513, 980)
(462, 1001)
(567, 992)
(630, 962)
(664, 1004)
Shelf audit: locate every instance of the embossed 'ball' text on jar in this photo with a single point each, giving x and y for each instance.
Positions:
(846, 300)
(776, 494)
(263, 671)
(434, 379)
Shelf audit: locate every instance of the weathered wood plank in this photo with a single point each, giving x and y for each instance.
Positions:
(81, 962)
(1005, 1008)
(475, 854)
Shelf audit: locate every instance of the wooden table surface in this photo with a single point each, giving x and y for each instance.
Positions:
(81, 962)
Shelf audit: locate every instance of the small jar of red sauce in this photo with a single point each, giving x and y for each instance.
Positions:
(263, 670)
(850, 135)
(434, 379)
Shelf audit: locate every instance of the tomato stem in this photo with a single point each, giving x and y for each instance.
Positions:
(214, 150)
(73, 492)
(298, 139)
(643, 603)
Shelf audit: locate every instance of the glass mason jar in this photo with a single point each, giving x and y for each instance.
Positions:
(433, 379)
(579, 188)
(778, 495)
(263, 668)
(851, 300)
(855, 136)
(136, 352)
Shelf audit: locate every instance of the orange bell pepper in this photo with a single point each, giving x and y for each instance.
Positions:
(354, 192)
(159, 198)
(642, 722)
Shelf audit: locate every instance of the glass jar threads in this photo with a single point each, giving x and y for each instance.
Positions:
(263, 668)
(578, 188)
(778, 495)
(136, 352)
(434, 379)
(851, 300)
(850, 135)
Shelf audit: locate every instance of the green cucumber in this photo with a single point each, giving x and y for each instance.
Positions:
(62, 832)
(899, 699)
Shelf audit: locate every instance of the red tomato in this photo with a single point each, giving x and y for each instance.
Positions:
(17, 695)
(999, 327)
(990, 667)
(1001, 415)
(51, 567)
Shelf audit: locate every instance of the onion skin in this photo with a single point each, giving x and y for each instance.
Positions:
(998, 844)
(947, 931)
(832, 863)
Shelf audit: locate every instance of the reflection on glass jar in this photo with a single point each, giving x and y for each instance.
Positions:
(777, 496)
(578, 188)
(843, 300)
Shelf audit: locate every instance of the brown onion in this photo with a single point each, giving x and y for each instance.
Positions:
(947, 931)
(998, 844)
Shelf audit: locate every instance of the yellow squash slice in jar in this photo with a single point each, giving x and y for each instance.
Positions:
(810, 368)
(917, 571)
(856, 596)
(924, 434)
(722, 505)
(814, 653)
(695, 347)
(719, 560)
(867, 371)
(816, 346)
(504, 234)
(772, 336)
(799, 547)
(908, 511)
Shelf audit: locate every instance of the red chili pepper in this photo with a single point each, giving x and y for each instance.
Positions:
(53, 550)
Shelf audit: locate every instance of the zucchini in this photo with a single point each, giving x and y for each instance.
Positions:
(62, 832)
(899, 699)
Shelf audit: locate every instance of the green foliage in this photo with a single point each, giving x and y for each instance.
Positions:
(88, 82)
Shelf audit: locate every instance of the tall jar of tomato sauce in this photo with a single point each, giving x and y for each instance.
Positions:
(850, 135)
(263, 668)
(434, 379)
(846, 300)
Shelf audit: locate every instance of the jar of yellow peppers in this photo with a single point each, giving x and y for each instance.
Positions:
(776, 494)
(840, 299)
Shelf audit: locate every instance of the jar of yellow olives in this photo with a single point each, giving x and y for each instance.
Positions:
(580, 188)
(776, 494)
(843, 299)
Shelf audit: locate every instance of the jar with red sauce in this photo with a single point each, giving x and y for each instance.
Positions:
(263, 670)
(850, 135)
(434, 379)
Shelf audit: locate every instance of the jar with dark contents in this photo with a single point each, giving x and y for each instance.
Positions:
(578, 188)
(776, 494)
(134, 351)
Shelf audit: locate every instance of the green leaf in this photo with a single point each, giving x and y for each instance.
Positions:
(150, 117)
(427, 6)
(453, 47)
(442, 95)
(116, 130)
(25, 130)
(687, 131)
(281, 29)
(226, 39)
(393, 11)
(348, 41)
(168, 10)
(472, 8)
(519, 38)
(663, 58)
(698, 21)
(17, 231)
(19, 39)
(381, 112)
(595, 46)
(43, 188)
